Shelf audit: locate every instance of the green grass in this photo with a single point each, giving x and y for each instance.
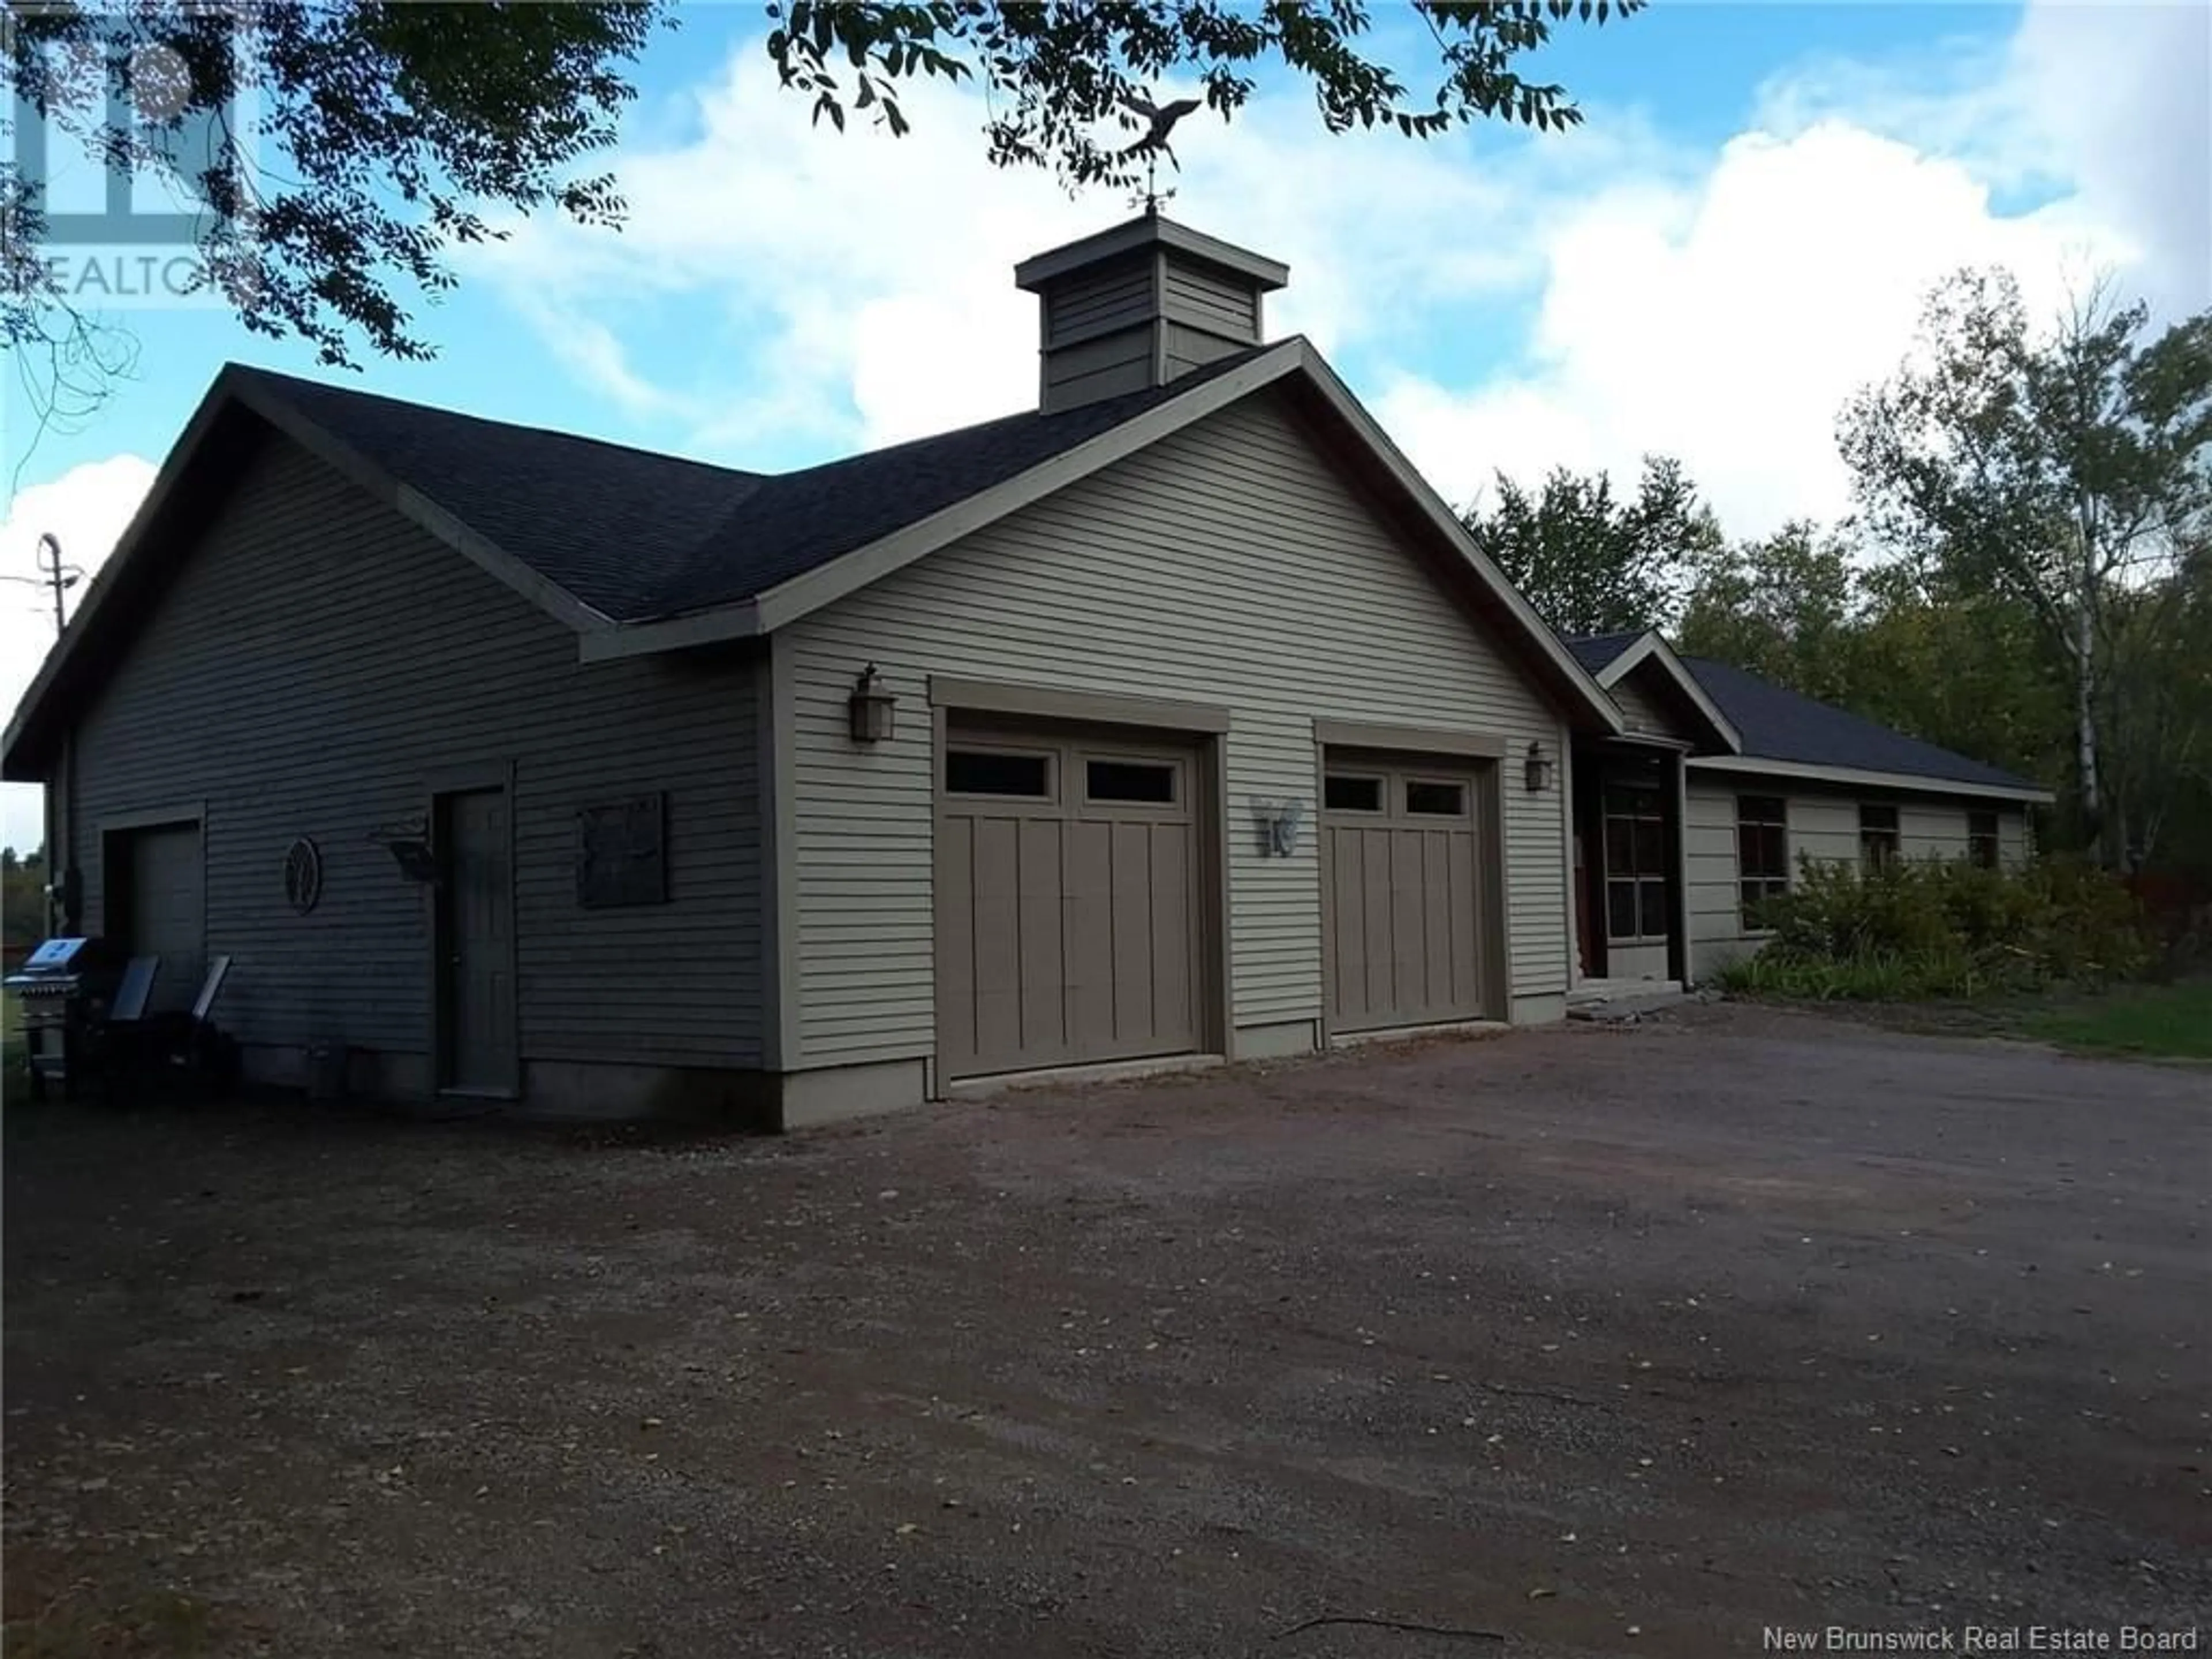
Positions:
(2166, 1021)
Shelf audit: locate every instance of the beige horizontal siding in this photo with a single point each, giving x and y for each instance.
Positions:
(1230, 565)
(1824, 824)
(1641, 710)
(317, 658)
(1931, 829)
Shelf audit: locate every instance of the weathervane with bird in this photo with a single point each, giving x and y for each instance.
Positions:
(1159, 121)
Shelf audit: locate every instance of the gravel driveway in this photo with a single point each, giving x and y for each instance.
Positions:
(1606, 1341)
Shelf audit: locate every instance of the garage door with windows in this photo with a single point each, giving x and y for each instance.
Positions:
(1407, 872)
(1068, 907)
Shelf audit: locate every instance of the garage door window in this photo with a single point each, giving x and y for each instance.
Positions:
(996, 772)
(1348, 792)
(1137, 783)
(1436, 800)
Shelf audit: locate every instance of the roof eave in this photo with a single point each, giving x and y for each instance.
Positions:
(1865, 778)
(1581, 686)
(1650, 647)
(801, 595)
(238, 389)
(16, 766)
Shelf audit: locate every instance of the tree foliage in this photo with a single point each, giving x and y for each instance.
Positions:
(1591, 563)
(2063, 469)
(2013, 484)
(381, 137)
(1783, 607)
(23, 897)
(1063, 75)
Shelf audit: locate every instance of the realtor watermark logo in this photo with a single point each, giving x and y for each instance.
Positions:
(130, 154)
(1981, 1638)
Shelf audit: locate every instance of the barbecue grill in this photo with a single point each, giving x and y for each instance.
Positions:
(65, 987)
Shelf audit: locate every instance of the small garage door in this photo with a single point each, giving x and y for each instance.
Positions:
(1068, 879)
(165, 903)
(1406, 870)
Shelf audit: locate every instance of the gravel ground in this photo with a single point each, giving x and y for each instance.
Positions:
(1607, 1341)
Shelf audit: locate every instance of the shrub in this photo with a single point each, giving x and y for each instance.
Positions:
(1916, 929)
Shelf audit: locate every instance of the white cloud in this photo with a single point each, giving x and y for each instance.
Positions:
(1719, 307)
(86, 509)
(865, 282)
(1726, 324)
(1727, 318)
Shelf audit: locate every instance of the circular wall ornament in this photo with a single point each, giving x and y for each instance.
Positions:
(303, 875)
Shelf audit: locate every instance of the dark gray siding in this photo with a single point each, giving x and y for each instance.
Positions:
(1106, 367)
(1099, 302)
(317, 662)
(1205, 299)
(1189, 347)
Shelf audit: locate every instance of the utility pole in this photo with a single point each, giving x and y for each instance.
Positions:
(60, 576)
(52, 572)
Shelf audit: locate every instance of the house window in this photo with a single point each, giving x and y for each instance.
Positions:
(1877, 837)
(1443, 801)
(1635, 866)
(1762, 853)
(1149, 783)
(994, 772)
(1982, 839)
(1343, 792)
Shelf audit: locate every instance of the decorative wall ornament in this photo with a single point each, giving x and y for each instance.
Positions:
(1278, 821)
(303, 875)
(622, 855)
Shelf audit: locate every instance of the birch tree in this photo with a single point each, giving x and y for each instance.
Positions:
(2062, 467)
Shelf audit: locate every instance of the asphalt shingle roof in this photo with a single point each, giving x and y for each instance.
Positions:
(1778, 724)
(637, 535)
(1594, 651)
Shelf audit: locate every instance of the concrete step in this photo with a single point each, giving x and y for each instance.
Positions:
(1616, 1005)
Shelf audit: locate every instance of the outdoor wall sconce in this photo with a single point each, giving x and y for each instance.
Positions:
(870, 707)
(1536, 770)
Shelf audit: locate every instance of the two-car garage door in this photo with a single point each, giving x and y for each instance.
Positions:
(1074, 897)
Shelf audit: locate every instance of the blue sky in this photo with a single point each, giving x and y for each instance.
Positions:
(1690, 72)
(1736, 238)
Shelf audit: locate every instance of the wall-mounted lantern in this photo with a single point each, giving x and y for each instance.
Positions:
(870, 707)
(1536, 770)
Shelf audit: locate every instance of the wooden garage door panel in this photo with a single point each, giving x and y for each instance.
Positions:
(955, 928)
(998, 957)
(1039, 916)
(1377, 992)
(1066, 928)
(1090, 924)
(1405, 894)
(1171, 1014)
